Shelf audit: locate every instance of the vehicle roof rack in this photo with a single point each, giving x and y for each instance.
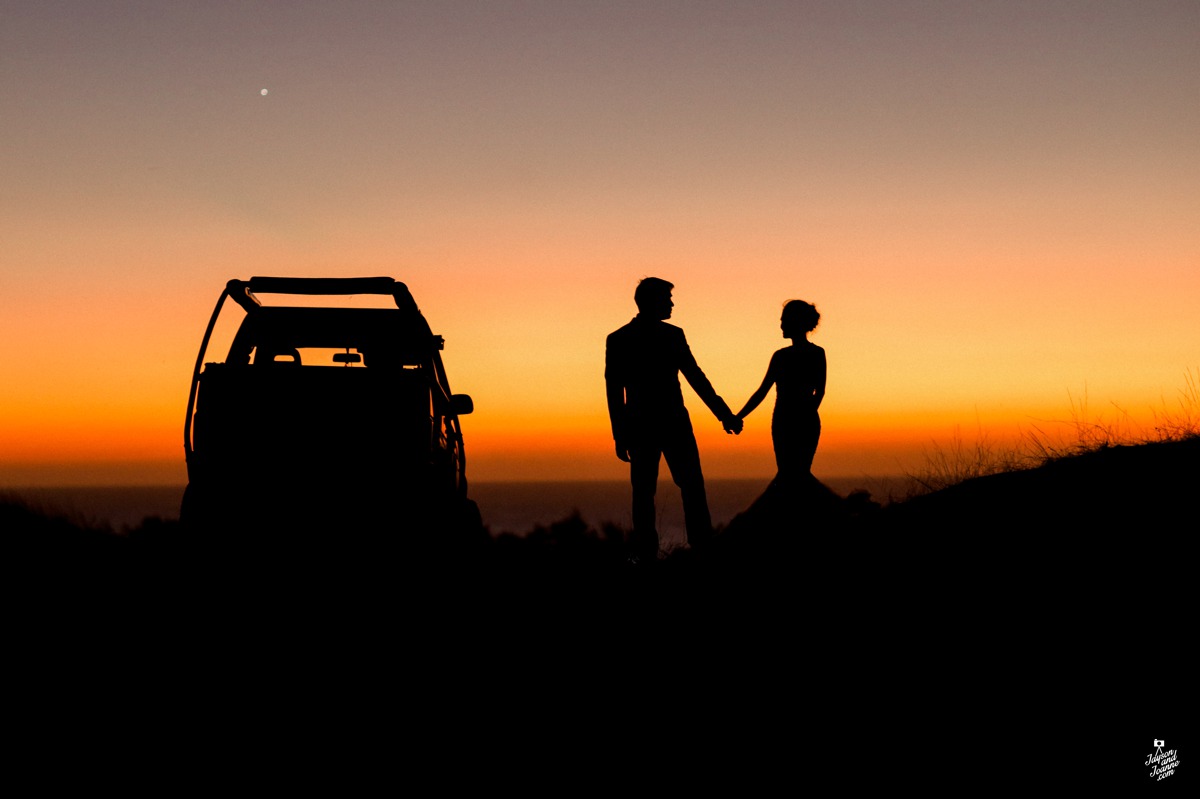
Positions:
(243, 291)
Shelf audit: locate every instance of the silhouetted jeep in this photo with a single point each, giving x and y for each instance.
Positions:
(324, 420)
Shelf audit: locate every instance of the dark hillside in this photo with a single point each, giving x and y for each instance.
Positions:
(1077, 555)
(1145, 488)
(1109, 523)
(987, 613)
(1109, 507)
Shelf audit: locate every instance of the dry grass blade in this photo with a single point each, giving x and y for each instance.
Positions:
(1049, 440)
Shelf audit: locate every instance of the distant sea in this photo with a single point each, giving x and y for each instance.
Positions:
(507, 507)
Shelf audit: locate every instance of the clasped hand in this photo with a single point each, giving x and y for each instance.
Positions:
(733, 425)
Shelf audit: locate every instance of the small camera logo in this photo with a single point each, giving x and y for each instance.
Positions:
(1158, 742)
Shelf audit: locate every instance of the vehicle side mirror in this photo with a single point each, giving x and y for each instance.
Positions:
(461, 404)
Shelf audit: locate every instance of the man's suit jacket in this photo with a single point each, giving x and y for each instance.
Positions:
(642, 364)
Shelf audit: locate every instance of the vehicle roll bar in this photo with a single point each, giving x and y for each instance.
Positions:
(242, 292)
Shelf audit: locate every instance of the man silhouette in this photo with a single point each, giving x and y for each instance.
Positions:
(642, 364)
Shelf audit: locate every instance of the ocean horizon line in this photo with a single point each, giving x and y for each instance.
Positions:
(90, 485)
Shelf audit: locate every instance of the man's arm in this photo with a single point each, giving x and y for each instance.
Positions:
(703, 387)
(614, 387)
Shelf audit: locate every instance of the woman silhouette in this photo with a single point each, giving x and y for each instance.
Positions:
(798, 374)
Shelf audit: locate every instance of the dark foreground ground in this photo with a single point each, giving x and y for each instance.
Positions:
(1109, 518)
(1009, 629)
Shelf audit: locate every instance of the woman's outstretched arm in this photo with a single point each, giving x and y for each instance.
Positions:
(759, 395)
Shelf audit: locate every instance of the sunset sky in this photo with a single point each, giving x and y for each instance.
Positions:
(994, 205)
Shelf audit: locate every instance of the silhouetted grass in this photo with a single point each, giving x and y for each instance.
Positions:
(1083, 431)
(946, 465)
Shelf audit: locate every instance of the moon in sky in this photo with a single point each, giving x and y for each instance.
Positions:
(263, 92)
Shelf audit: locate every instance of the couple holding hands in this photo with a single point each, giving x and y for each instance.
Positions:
(643, 361)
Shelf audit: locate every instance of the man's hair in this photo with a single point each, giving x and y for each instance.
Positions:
(649, 288)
